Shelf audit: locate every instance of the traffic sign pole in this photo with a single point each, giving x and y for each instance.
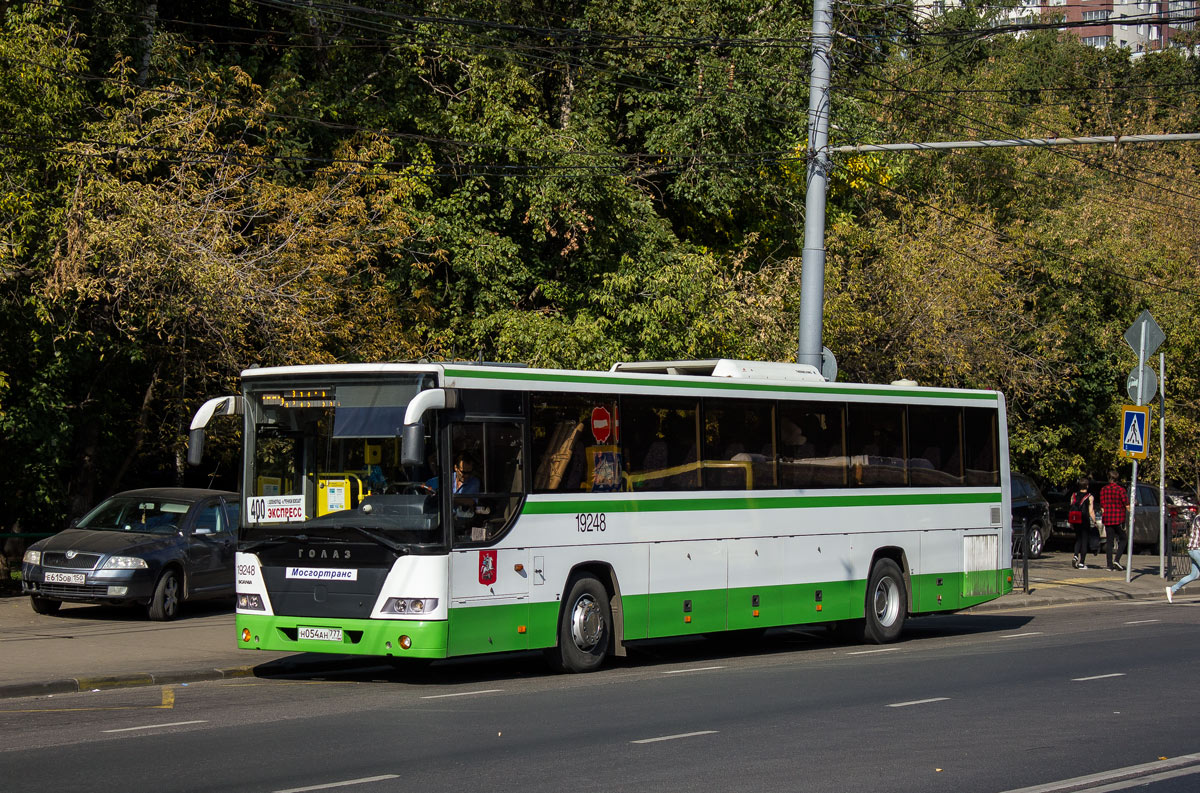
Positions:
(1133, 480)
(1162, 466)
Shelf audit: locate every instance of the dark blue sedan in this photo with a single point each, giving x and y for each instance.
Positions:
(155, 547)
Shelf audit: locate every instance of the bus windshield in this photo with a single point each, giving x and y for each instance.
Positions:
(326, 455)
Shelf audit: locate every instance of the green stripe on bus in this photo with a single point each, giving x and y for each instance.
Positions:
(726, 384)
(755, 502)
(530, 625)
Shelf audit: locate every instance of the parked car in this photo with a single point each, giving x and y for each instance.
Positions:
(1030, 511)
(155, 547)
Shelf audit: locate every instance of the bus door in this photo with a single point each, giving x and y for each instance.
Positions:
(482, 489)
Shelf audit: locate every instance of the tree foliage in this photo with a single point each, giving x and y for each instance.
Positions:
(190, 191)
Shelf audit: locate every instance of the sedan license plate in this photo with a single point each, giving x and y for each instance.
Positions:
(319, 634)
(64, 578)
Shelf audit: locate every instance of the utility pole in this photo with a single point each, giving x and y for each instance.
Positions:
(812, 276)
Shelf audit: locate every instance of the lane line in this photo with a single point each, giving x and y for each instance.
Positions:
(869, 652)
(464, 693)
(676, 737)
(1022, 635)
(685, 671)
(1141, 622)
(1135, 773)
(1143, 781)
(158, 726)
(1096, 677)
(346, 783)
(918, 702)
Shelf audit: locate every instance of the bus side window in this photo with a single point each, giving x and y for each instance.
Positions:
(660, 442)
(739, 444)
(982, 446)
(876, 434)
(484, 512)
(935, 445)
(812, 444)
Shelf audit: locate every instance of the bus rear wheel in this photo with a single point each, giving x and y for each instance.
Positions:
(887, 603)
(584, 628)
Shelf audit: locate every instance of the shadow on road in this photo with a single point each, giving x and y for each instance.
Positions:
(642, 655)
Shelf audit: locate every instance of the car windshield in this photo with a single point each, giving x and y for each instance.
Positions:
(128, 513)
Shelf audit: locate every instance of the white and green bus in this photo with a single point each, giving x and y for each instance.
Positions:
(432, 510)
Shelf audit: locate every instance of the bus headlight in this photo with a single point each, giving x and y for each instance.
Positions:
(410, 605)
(250, 602)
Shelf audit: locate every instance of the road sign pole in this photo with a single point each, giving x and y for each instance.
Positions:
(1133, 480)
(1162, 466)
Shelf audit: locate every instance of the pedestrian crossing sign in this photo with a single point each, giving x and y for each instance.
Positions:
(1135, 422)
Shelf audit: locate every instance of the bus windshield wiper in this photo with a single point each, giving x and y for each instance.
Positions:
(379, 539)
(276, 540)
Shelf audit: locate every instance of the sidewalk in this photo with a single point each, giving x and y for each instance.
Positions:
(92, 647)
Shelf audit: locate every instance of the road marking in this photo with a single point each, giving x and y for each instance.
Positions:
(1120, 778)
(676, 737)
(697, 669)
(158, 726)
(1141, 622)
(869, 652)
(347, 783)
(1096, 677)
(918, 702)
(168, 698)
(461, 694)
(1021, 635)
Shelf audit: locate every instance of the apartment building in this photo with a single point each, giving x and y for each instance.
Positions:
(1138, 26)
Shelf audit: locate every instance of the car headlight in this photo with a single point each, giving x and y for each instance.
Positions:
(409, 605)
(32, 557)
(124, 563)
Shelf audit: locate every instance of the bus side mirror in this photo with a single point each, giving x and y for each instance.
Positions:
(219, 406)
(195, 446)
(412, 444)
(412, 436)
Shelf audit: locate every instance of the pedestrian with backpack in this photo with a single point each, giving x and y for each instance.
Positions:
(1081, 514)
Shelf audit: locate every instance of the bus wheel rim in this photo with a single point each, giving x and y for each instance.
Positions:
(587, 625)
(887, 601)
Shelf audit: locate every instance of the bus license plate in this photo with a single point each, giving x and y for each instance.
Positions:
(319, 634)
(64, 578)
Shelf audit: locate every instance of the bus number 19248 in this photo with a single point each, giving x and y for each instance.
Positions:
(591, 521)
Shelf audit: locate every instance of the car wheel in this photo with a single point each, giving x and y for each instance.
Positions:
(1037, 541)
(44, 605)
(167, 595)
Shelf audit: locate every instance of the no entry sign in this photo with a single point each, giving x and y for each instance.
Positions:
(601, 424)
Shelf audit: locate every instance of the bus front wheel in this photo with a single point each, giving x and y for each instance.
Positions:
(584, 628)
(887, 603)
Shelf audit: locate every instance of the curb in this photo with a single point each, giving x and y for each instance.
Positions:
(1029, 601)
(75, 685)
(281, 666)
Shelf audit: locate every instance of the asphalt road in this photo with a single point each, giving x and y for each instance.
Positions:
(986, 702)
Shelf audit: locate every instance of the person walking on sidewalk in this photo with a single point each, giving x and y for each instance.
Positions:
(1114, 509)
(1194, 554)
(1081, 514)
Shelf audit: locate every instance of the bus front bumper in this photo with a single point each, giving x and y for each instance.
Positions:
(424, 639)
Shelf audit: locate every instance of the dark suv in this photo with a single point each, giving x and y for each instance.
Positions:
(1031, 512)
